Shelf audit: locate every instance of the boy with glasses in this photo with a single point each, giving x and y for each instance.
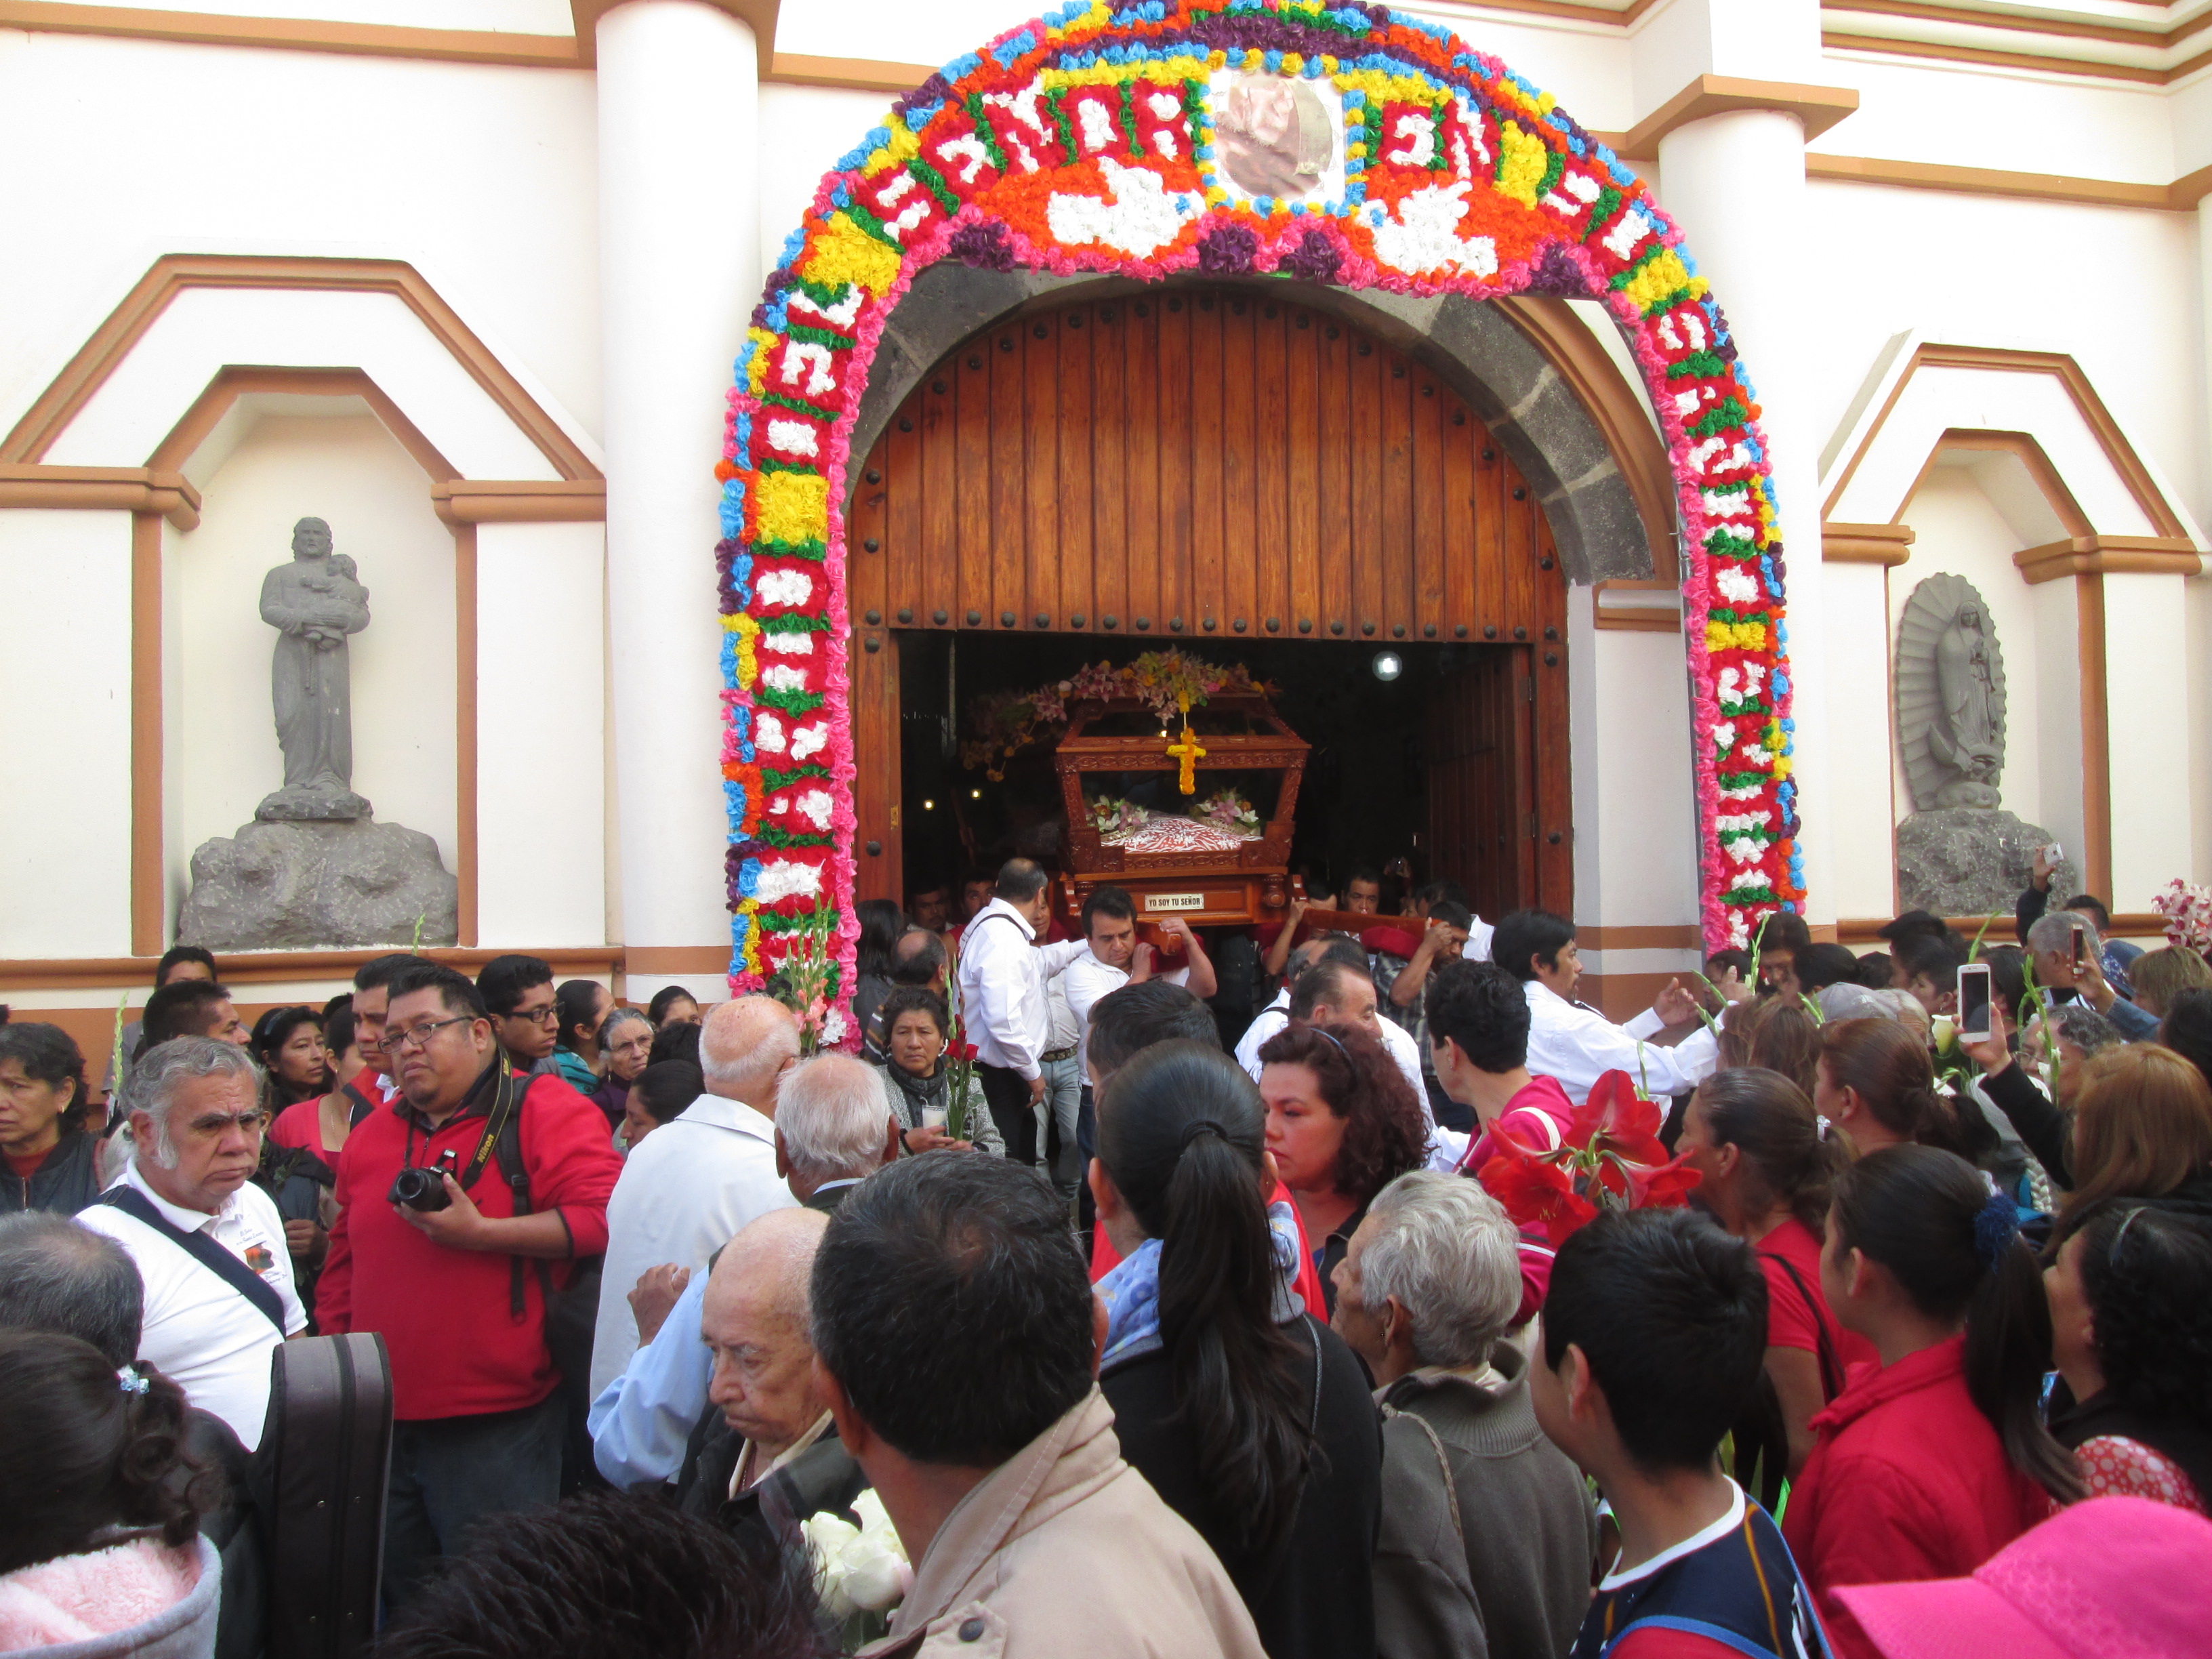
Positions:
(435, 1247)
(525, 1016)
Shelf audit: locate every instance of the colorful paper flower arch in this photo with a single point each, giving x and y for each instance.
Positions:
(1346, 145)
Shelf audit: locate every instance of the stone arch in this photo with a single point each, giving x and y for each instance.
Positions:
(1096, 144)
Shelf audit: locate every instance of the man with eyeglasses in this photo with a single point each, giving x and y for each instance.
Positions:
(525, 1016)
(373, 1086)
(210, 1245)
(460, 1291)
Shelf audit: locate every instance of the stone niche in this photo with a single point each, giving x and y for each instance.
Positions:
(1960, 853)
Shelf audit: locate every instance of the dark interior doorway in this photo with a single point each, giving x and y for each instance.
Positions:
(1433, 766)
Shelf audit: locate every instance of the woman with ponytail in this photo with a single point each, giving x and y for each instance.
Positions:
(99, 1551)
(1929, 1466)
(1247, 1413)
(1768, 1171)
(1876, 1081)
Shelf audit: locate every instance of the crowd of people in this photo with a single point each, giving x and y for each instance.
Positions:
(1106, 1298)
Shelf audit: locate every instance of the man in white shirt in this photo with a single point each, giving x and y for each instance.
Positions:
(208, 1246)
(698, 1179)
(1002, 1006)
(1339, 1002)
(1577, 1045)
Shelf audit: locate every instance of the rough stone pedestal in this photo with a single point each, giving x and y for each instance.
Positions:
(1969, 861)
(325, 886)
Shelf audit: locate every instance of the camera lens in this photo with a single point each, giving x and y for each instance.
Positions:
(419, 1189)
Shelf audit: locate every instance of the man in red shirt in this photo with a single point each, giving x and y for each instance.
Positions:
(459, 1288)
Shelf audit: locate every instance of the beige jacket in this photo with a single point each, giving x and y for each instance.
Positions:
(1066, 1550)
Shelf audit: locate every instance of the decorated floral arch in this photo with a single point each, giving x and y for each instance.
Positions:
(1348, 145)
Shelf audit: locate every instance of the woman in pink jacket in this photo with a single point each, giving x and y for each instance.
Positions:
(1930, 1463)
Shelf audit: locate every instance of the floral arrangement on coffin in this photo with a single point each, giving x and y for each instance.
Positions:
(1111, 816)
(859, 1572)
(1611, 1159)
(1004, 723)
(1227, 810)
(2187, 908)
(1084, 144)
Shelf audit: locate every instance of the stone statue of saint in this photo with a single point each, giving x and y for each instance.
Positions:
(1964, 733)
(314, 602)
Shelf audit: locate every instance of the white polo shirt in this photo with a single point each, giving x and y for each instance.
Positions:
(203, 1334)
(1086, 979)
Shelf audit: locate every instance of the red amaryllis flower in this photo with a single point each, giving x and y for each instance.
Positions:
(1610, 1157)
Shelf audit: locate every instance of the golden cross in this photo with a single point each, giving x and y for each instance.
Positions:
(1189, 752)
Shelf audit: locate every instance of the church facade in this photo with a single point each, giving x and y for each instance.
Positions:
(468, 283)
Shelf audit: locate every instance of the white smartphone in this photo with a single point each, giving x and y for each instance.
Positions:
(2054, 853)
(1974, 1002)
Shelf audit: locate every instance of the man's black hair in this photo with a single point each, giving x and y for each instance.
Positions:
(1820, 966)
(1366, 873)
(382, 971)
(1452, 913)
(1481, 1008)
(184, 1009)
(1124, 1023)
(678, 1041)
(665, 1089)
(1433, 893)
(501, 982)
(1528, 935)
(1325, 982)
(1020, 880)
(2089, 905)
(1337, 947)
(951, 1304)
(1874, 971)
(1938, 956)
(609, 1576)
(182, 953)
(67, 1280)
(1670, 1313)
(1721, 961)
(1108, 902)
(918, 958)
(1785, 930)
(454, 989)
(1911, 924)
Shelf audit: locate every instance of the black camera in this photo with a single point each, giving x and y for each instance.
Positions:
(423, 1188)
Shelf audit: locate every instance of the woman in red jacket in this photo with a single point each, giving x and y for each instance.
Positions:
(1928, 1465)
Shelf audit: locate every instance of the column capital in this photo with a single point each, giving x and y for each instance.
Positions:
(1817, 107)
(758, 14)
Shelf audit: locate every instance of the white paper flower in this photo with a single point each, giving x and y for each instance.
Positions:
(809, 740)
(860, 1569)
(1140, 218)
(786, 586)
(788, 878)
(767, 733)
(1425, 236)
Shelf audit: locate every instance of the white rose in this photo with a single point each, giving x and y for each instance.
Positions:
(876, 1575)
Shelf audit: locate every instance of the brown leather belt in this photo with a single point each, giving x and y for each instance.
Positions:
(1054, 1056)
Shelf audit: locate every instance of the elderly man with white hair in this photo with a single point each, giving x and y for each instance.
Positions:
(697, 1181)
(2050, 942)
(832, 1129)
(210, 1245)
(1488, 1531)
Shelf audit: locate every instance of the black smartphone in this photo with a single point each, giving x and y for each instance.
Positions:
(2080, 950)
(1974, 1001)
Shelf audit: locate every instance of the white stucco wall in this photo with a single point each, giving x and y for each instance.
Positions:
(350, 472)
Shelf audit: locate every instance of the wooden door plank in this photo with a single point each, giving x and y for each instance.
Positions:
(1009, 473)
(902, 554)
(864, 576)
(1176, 462)
(1339, 490)
(1208, 443)
(1490, 537)
(1393, 596)
(977, 483)
(1304, 485)
(1555, 874)
(1037, 345)
(1077, 482)
(939, 483)
(1462, 434)
(1110, 501)
(874, 676)
(1240, 465)
(1272, 470)
(1146, 514)
(1427, 601)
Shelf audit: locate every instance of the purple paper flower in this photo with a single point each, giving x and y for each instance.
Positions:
(1227, 249)
(1315, 257)
(1559, 276)
(984, 243)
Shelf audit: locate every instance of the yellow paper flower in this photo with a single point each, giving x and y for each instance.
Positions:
(791, 507)
(843, 253)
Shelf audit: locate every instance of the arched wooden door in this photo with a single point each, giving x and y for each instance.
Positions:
(1197, 464)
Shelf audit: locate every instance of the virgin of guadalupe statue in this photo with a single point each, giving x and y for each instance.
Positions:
(314, 602)
(1963, 735)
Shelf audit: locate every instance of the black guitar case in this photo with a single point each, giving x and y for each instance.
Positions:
(320, 1474)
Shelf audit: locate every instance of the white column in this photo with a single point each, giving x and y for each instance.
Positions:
(1736, 183)
(678, 102)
